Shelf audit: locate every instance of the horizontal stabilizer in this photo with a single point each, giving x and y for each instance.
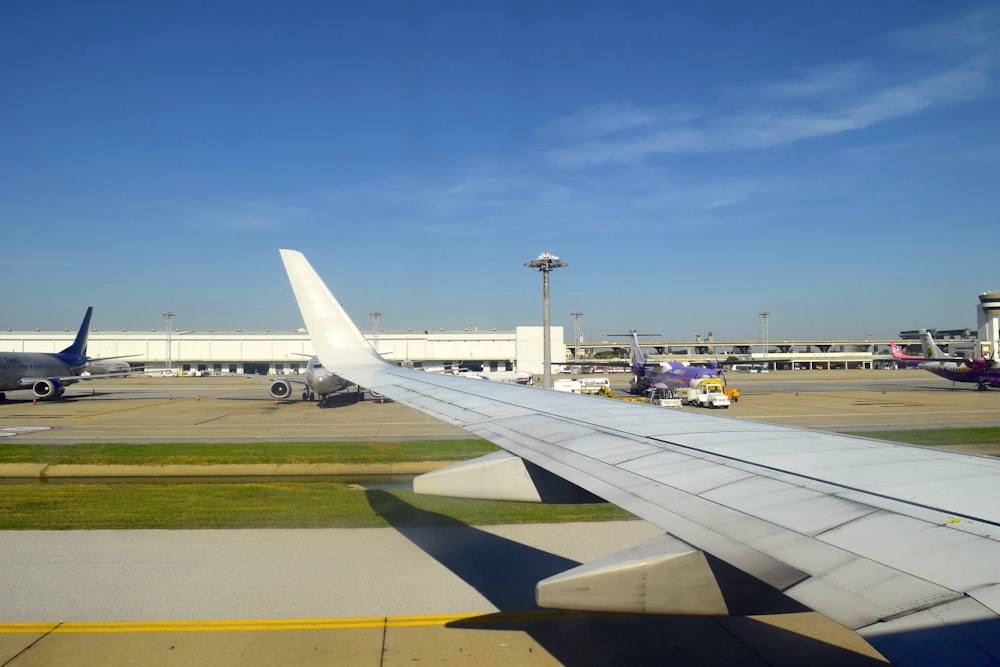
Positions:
(661, 576)
(501, 476)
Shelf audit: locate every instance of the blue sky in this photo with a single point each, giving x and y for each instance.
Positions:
(695, 163)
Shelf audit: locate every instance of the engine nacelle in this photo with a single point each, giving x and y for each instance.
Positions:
(50, 388)
(281, 389)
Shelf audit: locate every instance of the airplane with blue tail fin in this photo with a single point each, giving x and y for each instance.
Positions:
(47, 374)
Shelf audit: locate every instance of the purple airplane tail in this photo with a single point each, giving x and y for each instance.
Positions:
(638, 358)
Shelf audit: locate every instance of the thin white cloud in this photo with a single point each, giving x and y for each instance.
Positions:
(766, 128)
(970, 37)
(828, 101)
(845, 78)
(614, 118)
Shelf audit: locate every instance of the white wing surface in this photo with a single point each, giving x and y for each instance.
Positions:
(897, 542)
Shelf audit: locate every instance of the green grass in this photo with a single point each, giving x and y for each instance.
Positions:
(123, 506)
(229, 453)
(972, 439)
(278, 504)
(299, 504)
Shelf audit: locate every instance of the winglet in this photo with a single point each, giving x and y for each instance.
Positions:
(338, 343)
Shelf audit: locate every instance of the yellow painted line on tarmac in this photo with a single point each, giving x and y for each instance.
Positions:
(274, 625)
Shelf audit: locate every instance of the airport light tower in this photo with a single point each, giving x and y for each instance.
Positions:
(763, 329)
(546, 263)
(577, 339)
(376, 316)
(168, 320)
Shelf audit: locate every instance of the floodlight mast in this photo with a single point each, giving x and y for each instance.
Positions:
(577, 338)
(546, 263)
(168, 320)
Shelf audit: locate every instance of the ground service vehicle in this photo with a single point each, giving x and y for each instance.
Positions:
(707, 395)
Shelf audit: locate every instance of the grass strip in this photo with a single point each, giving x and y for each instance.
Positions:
(235, 453)
(117, 505)
(975, 439)
(126, 506)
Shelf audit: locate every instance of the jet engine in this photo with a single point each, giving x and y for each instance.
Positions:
(50, 388)
(281, 389)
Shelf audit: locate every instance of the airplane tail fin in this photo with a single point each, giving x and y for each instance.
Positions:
(79, 345)
(931, 350)
(638, 358)
(897, 354)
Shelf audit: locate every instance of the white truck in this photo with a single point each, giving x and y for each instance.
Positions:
(587, 385)
(708, 394)
(568, 385)
(665, 398)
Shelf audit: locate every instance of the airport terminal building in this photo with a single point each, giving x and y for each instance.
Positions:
(287, 352)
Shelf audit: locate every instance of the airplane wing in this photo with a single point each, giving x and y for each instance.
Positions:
(27, 382)
(274, 378)
(900, 543)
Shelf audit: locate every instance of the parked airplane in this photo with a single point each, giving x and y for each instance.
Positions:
(902, 359)
(984, 372)
(106, 366)
(668, 374)
(47, 374)
(508, 377)
(931, 349)
(900, 543)
(317, 380)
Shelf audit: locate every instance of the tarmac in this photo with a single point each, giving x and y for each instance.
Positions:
(388, 596)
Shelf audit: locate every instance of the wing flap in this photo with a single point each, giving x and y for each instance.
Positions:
(930, 551)
(860, 592)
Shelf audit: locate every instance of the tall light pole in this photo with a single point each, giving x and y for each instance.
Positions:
(376, 316)
(546, 263)
(168, 320)
(576, 315)
(763, 328)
